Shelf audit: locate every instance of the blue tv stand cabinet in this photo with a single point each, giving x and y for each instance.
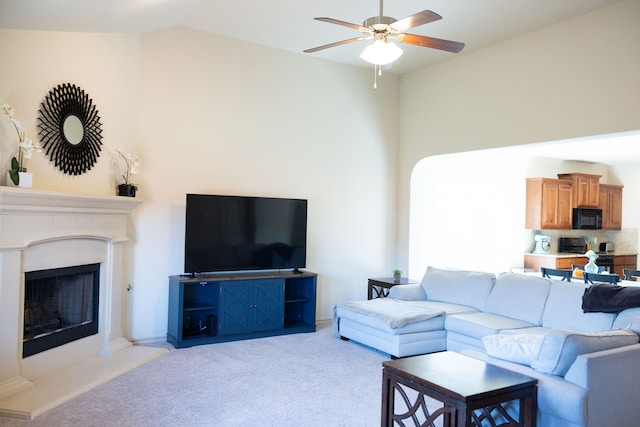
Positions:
(207, 309)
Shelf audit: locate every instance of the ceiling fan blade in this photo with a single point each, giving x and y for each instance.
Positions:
(327, 46)
(344, 24)
(415, 20)
(432, 42)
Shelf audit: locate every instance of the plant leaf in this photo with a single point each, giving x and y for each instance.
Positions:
(14, 163)
(15, 178)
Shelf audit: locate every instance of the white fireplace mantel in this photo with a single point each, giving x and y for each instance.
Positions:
(27, 216)
(42, 230)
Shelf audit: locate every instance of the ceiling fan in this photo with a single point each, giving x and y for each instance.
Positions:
(382, 28)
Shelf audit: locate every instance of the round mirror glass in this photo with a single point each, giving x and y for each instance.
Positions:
(73, 130)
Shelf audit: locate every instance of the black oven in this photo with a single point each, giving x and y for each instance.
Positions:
(605, 262)
(587, 219)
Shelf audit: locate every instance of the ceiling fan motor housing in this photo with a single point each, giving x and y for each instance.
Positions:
(379, 23)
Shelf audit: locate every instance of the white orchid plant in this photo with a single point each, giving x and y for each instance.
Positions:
(132, 166)
(26, 147)
(591, 255)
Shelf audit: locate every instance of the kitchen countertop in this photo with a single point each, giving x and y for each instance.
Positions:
(568, 255)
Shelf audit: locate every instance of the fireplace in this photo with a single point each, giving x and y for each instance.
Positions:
(63, 264)
(60, 306)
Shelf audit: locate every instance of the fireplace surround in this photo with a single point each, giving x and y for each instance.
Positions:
(42, 230)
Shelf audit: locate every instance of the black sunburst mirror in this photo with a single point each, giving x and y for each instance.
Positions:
(69, 129)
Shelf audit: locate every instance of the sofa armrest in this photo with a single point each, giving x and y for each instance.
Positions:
(611, 378)
(410, 292)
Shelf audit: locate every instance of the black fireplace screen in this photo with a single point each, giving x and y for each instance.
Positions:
(60, 306)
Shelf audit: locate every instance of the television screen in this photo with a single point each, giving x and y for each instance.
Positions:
(233, 233)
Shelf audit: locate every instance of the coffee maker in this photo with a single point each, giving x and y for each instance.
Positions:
(542, 244)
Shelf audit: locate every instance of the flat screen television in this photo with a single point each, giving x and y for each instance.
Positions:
(239, 233)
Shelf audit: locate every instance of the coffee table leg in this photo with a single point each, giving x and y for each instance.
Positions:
(528, 409)
(387, 401)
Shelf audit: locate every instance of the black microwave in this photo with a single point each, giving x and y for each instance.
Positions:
(587, 219)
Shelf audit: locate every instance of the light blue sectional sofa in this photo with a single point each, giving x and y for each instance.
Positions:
(587, 364)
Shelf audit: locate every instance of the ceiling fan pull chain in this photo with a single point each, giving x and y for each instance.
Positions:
(376, 70)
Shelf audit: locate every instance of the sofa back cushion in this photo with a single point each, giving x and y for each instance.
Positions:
(470, 288)
(625, 318)
(561, 347)
(519, 297)
(564, 310)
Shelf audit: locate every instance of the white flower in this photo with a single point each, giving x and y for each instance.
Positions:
(8, 110)
(28, 147)
(131, 164)
(591, 255)
(25, 145)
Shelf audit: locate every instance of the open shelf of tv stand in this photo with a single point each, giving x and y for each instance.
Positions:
(206, 309)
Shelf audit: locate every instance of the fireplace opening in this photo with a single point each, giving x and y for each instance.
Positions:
(60, 306)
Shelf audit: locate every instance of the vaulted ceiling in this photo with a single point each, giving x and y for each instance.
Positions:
(289, 24)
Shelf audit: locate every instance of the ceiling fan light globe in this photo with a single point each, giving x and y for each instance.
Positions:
(381, 52)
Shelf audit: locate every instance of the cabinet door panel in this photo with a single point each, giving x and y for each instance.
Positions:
(615, 208)
(564, 263)
(235, 308)
(269, 307)
(549, 205)
(565, 203)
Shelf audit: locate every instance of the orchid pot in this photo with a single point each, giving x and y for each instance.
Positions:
(25, 180)
(127, 190)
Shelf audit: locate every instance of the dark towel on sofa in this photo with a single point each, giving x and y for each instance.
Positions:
(610, 298)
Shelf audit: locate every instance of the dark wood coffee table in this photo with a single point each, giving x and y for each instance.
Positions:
(470, 390)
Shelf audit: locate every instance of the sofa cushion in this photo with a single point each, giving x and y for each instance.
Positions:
(519, 296)
(392, 312)
(410, 292)
(519, 348)
(563, 310)
(479, 324)
(625, 318)
(534, 330)
(561, 347)
(469, 288)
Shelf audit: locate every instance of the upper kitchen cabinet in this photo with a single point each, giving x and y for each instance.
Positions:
(586, 189)
(611, 205)
(549, 204)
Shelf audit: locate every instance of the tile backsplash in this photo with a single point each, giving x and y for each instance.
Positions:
(626, 240)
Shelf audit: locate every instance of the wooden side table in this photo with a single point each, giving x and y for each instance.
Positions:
(471, 391)
(379, 288)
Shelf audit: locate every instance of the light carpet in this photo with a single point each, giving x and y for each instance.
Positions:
(309, 379)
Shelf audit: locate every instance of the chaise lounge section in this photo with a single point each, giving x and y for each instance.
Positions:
(586, 364)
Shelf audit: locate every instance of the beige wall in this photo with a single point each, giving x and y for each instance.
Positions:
(225, 117)
(576, 78)
(104, 66)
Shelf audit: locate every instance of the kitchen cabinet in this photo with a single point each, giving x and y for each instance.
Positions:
(624, 261)
(586, 189)
(611, 205)
(549, 204)
(535, 262)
